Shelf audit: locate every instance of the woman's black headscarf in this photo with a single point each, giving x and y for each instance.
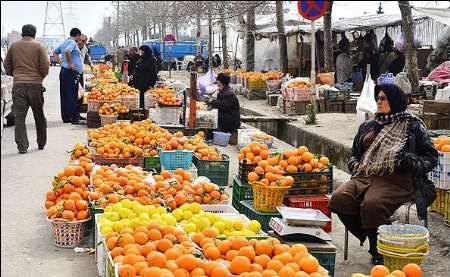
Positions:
(147, 51)
(395, 96)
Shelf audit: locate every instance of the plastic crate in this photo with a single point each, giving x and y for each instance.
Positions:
(441, 179)
(107, 119)
(236, 204)
(327, 260)
(130, 101)
(447, 208)
(439, 203)
(317, 202)
(242, 190)
(176, 159)
(262, 217)
(152, 163)
(332, 95)
(216, 171)
(244, 170)
(316, 183)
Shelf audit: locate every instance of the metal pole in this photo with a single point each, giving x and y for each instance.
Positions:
(170, 62)
(313, 65)
(193, 100)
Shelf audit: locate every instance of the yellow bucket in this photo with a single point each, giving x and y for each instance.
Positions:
(395, 261)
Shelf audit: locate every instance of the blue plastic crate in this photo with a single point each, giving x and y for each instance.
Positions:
(221, 139)
(327, 260)
(174, 159)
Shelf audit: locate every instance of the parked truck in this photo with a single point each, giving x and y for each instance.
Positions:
(97, 52)
(176, 53)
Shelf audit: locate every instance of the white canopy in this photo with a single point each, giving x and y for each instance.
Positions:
(439, 14)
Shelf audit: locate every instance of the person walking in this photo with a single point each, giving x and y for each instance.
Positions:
(71, 68)
(144, 75)
(132, 57)
(27, 61)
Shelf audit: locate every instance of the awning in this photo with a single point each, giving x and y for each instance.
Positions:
(438, 14)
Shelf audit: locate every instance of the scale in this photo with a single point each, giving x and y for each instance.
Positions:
(281, 227)
(300, 222)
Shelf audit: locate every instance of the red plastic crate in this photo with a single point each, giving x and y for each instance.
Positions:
(317, 202)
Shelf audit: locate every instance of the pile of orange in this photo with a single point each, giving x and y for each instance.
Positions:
(207, 153)
(268, 257)
(112, 109)
(111, 185)
(177, 189)
(153, 251)
(80, 150)
(68, 198)
(409, 270)
(442, 143)
(116, 149)
(144, 134)
(114, 184)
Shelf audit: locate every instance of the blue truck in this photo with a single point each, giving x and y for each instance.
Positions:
(178, 51)
(97, 52)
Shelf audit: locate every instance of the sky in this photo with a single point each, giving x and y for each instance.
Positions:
(90, 14)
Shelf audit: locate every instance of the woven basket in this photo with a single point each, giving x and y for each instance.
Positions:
(394, 261)
(130, 101)
(150, 101)
(68, 234)
(267, 198)
(94, 105)
(107, 119)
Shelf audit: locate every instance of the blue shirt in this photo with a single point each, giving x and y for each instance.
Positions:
(70, 44)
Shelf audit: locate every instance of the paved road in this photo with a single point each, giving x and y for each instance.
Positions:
(27, 246)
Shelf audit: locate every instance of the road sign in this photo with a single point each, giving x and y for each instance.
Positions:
(312, 10)
(170, 39)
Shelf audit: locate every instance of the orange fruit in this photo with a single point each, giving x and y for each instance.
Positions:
(173, 253)
(127, 270)
(301, 150)
(212, 253)
(301, 274)
(150, 272)
(220, 271)
(240, 264)
(156, 259)
(412, 270)
(231, 255)
(130, 259)
(379, 271)
(188, 262)
(309, 264)
(154, 234)
(325, 161)
(286, 272)
(139, 266)
(253, 177)
(307, 156)
(198, 272)
(262, 260)
(141, 238)
(286, 258)
(275, 265)
(248, 252)
(398, 273)
(269, 273)
(256, 267)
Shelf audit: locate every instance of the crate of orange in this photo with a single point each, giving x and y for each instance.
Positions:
(118, 153)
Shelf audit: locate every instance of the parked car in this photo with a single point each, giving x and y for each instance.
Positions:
(6, 101)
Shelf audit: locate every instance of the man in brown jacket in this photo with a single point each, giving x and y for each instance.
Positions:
(27, 61)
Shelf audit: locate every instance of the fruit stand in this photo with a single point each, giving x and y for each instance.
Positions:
(158, 202)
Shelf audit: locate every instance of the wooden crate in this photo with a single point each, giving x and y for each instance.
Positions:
(435, 121)
(350, 106)
(334, 107)
(438, 107)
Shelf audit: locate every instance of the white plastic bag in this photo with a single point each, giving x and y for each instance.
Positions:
(366, 102)
(402, 81)
(80, 91)
(206, 80)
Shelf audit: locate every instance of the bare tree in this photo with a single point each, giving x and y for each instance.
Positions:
(250, 40)
(223, 29)
(328, 40)
(281, 36)
(411, 52)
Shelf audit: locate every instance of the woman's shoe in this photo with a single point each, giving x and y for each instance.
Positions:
(377, 260)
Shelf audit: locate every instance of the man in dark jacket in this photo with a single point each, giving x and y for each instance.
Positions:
(228, 105)
(132, 57)
(145, 75)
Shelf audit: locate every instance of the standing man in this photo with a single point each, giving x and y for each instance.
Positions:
(71, 68)
(28, 62)
(121, 52)
(86, 59)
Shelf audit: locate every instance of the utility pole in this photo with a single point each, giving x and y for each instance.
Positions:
(53, 22)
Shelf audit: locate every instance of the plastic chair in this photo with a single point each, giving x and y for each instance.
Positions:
(408, 210)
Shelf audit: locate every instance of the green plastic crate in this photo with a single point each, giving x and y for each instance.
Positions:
(241, 190)
(316, 183)
(326, 259)
(261, 217)
(216, 171)
(236, 204)
(152, 163)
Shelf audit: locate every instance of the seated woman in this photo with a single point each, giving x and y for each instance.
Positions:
(390, 155)
(228, 105)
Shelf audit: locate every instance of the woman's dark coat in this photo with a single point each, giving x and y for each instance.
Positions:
(228, 105)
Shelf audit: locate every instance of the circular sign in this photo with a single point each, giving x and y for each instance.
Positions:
(170, 38)
(312, 10)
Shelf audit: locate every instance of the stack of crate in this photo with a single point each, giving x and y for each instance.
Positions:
(441, 179)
